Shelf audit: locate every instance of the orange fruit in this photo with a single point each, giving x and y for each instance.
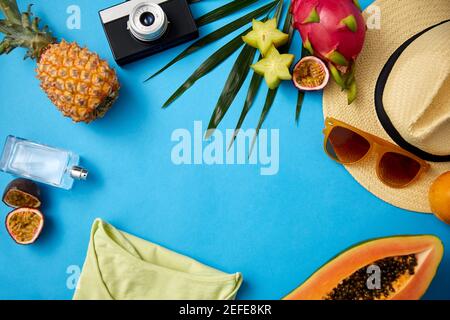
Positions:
(439, 197)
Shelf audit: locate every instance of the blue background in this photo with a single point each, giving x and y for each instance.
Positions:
(276, 230)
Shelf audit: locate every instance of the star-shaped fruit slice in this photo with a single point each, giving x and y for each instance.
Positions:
(264, 35)
(274, 67)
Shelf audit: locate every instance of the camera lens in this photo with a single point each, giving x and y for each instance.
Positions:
(147, 19)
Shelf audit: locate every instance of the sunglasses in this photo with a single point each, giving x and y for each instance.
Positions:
(347, 145)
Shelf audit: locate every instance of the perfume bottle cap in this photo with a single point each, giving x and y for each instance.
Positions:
(78, 173)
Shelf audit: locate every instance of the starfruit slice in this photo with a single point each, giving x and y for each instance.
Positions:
(264, 35)
(274, 67)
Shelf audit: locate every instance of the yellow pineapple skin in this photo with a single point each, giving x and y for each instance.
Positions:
(81, 85)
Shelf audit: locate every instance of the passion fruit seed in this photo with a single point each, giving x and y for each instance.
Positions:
(21, 193)
(23, 226)
(20, 199)
(310, 74)
(392, 269)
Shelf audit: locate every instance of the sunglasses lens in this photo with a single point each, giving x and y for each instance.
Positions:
(346, 146)
(398, 170)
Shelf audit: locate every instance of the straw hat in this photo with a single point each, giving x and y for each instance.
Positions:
(403, 77)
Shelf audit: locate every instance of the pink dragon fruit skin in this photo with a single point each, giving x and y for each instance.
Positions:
(333, 30)
(338, 27)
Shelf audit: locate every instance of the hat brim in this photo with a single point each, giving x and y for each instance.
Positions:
(400, 20)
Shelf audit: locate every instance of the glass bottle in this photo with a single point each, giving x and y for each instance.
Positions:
(41, 163)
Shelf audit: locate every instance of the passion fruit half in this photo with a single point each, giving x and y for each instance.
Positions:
(22, 193)
(24, 225)
(310, 74)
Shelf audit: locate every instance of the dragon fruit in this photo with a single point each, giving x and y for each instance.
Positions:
(334, 31)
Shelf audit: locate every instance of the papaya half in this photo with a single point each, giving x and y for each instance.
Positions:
(393, 268)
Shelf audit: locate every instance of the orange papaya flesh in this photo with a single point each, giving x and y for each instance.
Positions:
(409, 263)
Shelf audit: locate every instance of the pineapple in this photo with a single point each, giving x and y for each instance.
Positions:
(80, 84)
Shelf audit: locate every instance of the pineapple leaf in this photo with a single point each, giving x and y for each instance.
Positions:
(7, 28)
(223, 11)
(218, 34)
(4, 45)
(20, 31)
(35, 24)
(208, 65)
(25, 18)
(11, 11)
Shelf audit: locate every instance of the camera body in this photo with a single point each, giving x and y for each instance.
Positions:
(139, 28)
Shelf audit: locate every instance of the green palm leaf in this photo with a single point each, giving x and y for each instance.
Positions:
(232, 86)
(298, 109)
(223, 11)
(270, 98)
(253, 89)
(235, 80)
(218, 34)
(209, 64)
(271, 94)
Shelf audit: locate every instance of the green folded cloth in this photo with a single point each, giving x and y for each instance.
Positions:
(120, 266)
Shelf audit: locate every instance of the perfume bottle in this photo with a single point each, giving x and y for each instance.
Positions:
(41, 163)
